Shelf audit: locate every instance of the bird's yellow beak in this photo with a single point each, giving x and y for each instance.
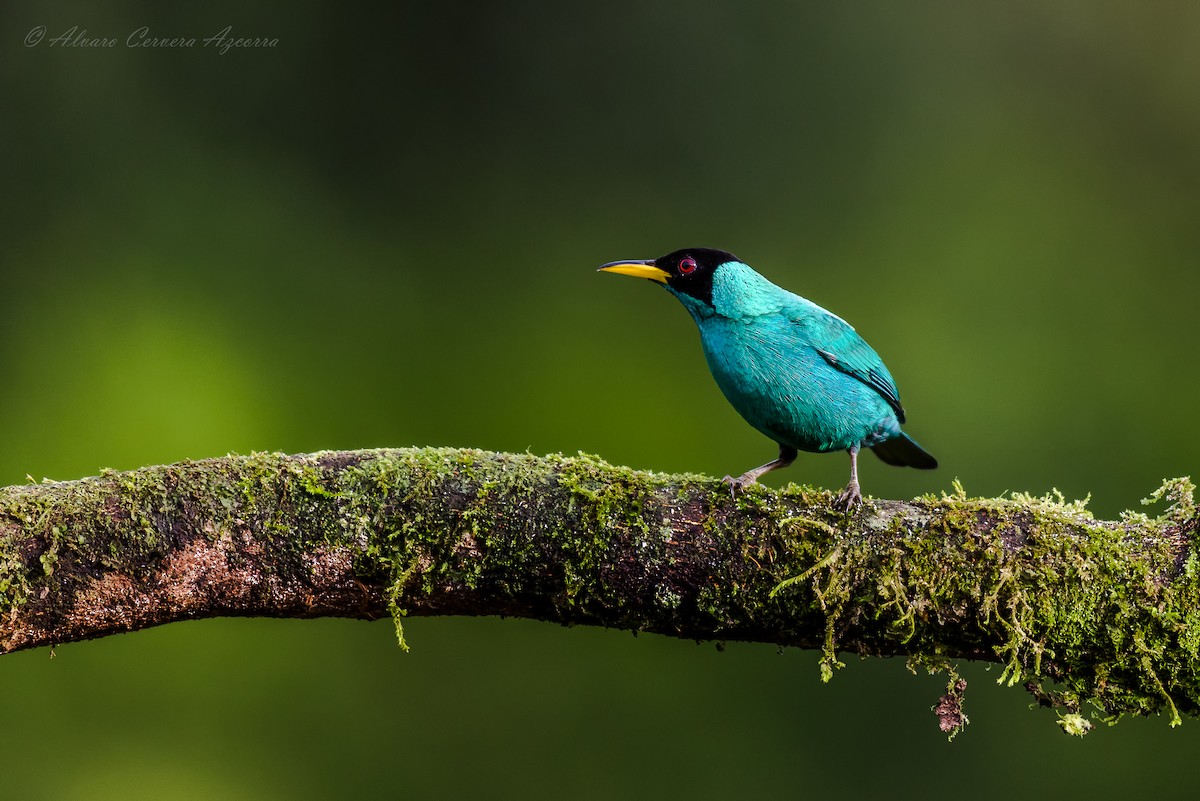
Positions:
(638, 269)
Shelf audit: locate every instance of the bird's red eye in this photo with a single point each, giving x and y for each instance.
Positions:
(687, 265)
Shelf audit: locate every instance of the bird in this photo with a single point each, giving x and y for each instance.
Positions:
(796, 372)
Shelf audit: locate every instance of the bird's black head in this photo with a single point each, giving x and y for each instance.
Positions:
(687, 272)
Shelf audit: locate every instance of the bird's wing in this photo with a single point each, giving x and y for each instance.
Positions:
(841, 346)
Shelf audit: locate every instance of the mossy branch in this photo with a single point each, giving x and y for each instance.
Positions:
(1107, 613)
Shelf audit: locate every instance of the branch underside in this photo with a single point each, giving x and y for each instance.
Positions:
(1109, 612)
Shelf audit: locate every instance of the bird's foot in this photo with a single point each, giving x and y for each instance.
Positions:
(849, 499)
(739, 483)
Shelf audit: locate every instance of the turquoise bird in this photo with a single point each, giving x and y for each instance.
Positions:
(796, 372)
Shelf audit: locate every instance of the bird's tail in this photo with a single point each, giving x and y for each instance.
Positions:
(903, 452)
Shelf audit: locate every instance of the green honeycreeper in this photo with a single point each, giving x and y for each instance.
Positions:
(796, 372)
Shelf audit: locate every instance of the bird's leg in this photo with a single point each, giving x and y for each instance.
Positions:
(786, 456)
(851, 496)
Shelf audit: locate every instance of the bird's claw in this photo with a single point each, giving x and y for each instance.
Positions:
(739, 483)
(849, 499)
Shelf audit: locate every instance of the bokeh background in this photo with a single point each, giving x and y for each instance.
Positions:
(383, 231)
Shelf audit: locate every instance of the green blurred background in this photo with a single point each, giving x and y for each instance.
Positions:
(383, 231)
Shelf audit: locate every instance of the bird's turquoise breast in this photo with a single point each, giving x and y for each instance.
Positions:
(784, 388)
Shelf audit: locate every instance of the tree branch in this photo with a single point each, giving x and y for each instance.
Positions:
(1108, 611)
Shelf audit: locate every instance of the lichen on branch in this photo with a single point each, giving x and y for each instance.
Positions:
(1104, 613)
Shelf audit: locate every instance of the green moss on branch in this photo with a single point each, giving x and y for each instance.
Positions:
(1104, 614)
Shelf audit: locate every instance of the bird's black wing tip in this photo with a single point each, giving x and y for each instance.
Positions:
(901, 451)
